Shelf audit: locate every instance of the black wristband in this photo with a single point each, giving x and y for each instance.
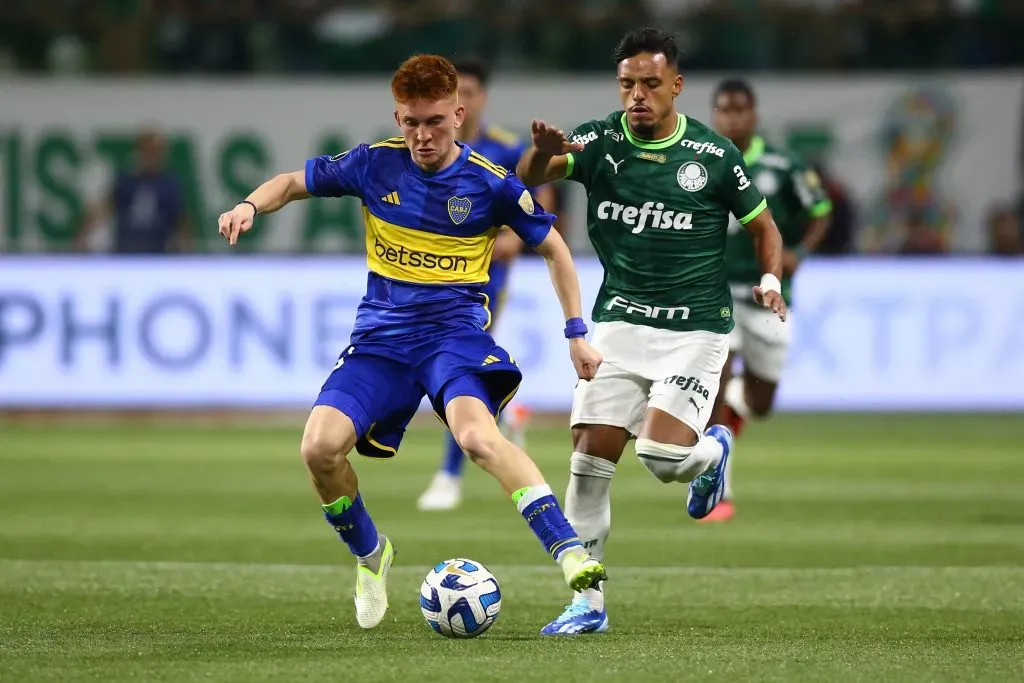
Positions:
(255, 211)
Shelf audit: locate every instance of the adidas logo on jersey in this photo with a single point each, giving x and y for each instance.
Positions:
(703, 147)
(391, 198)
(636, 219)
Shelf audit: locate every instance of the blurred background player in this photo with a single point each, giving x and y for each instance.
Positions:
(146, 202)
(801, 209)
(504, 149)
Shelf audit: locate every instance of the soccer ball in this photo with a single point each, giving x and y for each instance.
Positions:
(460, 599)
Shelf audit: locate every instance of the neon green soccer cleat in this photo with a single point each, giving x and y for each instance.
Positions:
(372, 588)
(582, 571)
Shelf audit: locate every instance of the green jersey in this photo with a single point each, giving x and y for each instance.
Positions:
(658, 216)
(795, 196)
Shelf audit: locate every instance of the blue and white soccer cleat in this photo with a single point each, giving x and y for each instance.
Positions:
(707, 487)
(577, 618)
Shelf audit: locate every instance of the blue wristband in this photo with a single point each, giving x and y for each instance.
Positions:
(575, 327)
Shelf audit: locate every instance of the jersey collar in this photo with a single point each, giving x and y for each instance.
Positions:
(655, 144)
(755, 151)
(448, 170)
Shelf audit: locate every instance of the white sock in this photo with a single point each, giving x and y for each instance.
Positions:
(588, 509)
(671, 463)
(373, 559)
(736, 398)
(705, 455)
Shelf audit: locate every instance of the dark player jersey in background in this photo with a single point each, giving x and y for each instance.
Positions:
(795, 195)
(148, 209)
(498, 145)
(504, 149)
(429, 236)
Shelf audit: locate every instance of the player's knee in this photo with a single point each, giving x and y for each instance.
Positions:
(321, 450)
(760, 409)
(480, 442)
(663, 460)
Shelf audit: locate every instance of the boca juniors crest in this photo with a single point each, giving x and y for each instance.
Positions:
(458, 209)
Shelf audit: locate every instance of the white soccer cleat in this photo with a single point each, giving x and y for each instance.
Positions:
(444, 493)
(372, 588)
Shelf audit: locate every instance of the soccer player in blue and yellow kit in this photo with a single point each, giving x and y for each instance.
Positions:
(502, 148)
(432, 210)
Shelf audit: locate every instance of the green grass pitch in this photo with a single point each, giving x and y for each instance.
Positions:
(868, 548)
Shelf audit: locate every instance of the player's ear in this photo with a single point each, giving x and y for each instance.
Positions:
(677, 85)
(460, 115)
(397, 121)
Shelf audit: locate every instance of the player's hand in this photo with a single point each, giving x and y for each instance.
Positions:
(585, 358)
(771, 300)
(551, 140)
(236, 221)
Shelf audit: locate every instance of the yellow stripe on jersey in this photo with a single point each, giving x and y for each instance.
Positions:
(426, 258)
(499, 134)
(480, 160)
(397, 143)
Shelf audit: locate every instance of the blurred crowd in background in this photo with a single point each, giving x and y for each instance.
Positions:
(352, 37)
(347, 36)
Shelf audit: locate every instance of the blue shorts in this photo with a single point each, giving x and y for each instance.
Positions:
(379, 386)
(496, 289)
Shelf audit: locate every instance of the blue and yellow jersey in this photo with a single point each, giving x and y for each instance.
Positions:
(499, 145)
(429, 236)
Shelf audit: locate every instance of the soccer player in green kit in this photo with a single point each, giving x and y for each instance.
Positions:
(660, 189)
(801, 209)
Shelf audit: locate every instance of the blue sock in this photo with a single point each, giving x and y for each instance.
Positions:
(353, 524)
(540, 509)
(454, 458)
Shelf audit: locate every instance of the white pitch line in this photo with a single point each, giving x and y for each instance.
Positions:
(518, 569)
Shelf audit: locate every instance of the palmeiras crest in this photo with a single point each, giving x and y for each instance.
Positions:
(458, 209)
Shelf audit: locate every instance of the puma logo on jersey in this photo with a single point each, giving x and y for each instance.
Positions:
(695, 405)
(703, 147)
(615, 165)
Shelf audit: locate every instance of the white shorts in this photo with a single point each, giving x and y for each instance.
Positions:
(646, 367)
(761, 340)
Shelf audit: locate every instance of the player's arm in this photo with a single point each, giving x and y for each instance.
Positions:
(323, 176)
(567, 288)
(809, 190)
(746, 202)
(533, 225)
(549, 157)
(508, 246)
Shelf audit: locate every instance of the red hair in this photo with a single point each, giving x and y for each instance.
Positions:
(425, 77)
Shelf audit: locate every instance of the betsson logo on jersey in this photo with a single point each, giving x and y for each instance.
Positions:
(419, 259)
(703, 147)
(636, 218)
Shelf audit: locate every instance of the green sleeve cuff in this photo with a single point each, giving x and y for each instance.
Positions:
(755, 213)
(822, 208)
(570, 164)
